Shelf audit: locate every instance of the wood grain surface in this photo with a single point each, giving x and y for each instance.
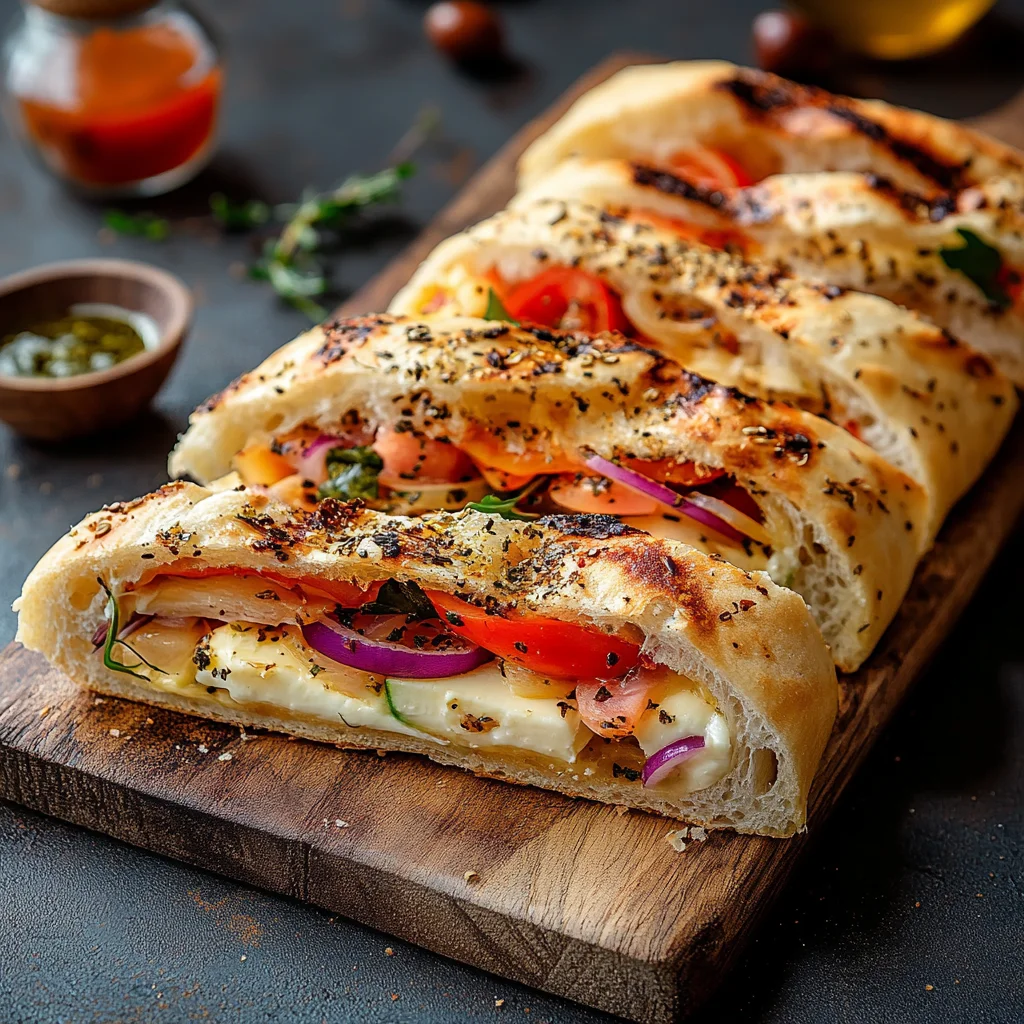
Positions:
(568, 896)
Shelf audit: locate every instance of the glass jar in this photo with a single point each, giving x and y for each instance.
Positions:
(895, 29)
(116, 97)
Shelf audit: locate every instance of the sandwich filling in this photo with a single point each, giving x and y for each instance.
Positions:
(406, 472)
(393, 658)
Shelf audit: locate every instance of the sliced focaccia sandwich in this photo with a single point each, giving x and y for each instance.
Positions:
(574, 653)
(411, 415)
(958, 259)
(930, 405)
(721, 126)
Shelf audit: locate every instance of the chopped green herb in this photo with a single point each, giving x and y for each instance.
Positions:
(978, 262)
(400, 598)
(113, 628)
(496, 309)
(140, 225)
(493, 504)
(351, 473)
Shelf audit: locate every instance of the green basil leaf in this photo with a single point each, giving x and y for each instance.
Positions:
(978, 262)
(496, 309)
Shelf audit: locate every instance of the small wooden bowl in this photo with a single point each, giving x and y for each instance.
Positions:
(49, 409)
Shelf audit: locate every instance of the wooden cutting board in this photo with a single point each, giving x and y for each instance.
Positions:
(568, 896)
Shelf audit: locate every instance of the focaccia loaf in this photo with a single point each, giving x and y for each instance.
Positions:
(854, 230)
(855, 525)
(929, 404)
(771, 125)
(751, 643)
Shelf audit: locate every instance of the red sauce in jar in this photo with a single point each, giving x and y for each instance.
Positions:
(144, 101)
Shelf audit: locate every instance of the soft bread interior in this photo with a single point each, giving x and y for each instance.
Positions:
(767, 667)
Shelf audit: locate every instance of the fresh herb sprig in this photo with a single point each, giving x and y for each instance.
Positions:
(290, 262)
(493, 504)
(114, 627)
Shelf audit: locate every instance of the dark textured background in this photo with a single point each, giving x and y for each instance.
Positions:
(917, 879)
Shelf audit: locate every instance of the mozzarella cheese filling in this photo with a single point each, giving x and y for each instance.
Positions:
(272, 670)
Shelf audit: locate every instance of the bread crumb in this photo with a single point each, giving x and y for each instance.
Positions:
(339, 823)
(243, 956)
(383, 753)
(43, 712)
(698, 833)
(203, 748)
(588, 771)
(98, 700)
(149, 721)
(471, 876)
(115, 733)
(676, 839)
(394, 997)
(225, 756)
(929, 988)
(499, 1002)
(388, 951)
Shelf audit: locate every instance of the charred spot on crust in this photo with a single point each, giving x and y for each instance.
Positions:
(936, 208)
(669, 184)
(594, 527)
(651, 566)
(768, 96)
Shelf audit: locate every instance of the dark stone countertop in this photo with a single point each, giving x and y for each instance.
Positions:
(916, 880)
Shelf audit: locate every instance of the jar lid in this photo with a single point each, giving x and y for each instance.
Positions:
(93, 9)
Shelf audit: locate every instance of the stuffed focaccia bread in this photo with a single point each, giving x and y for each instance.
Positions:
(959, 260)
(573, 654)
(929, 404)
(721, 125)
(406, 414)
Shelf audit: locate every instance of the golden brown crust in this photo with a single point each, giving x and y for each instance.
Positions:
(931, 405)
(853, 230)
(561, 393)
(772, 125)
(765, 662)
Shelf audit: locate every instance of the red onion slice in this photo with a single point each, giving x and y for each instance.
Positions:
(311, 463)
(344, 645)
(664, 495)
(663, 761)
(137, 621)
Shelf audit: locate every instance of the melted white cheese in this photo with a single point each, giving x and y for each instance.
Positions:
(478, 709)
(686, 713)
(281, 671)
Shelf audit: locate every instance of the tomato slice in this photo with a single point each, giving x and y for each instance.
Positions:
(668, 471)
(409, 457)
(597, 495)
(564, 297)
(562, 650)
(709, 168)
(611, 707)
